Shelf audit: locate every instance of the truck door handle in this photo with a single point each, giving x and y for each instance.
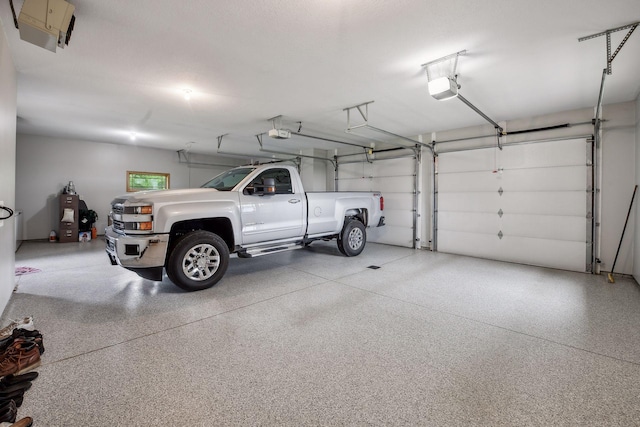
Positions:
(294, 200)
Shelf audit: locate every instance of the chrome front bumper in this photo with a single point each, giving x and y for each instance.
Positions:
(136, 251)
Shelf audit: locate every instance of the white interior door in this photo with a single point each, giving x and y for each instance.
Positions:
(395, 178)
(527, 203)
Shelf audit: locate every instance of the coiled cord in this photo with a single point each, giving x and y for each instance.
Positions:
(9, 210)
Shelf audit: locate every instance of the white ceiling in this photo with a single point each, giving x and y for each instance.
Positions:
(249, 60)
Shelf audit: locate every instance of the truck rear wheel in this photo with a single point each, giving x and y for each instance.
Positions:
(198, 261)
(352, 238)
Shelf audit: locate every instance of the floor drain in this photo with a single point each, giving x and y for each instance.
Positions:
(373, 267)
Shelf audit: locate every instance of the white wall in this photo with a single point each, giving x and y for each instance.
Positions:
(8, 90)
(98, 170)
(618, 180)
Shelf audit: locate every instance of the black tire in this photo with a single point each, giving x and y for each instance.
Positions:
(353, 238)
(198, 261)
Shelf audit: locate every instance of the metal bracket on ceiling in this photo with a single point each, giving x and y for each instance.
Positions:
(365, 115)
(276, 121)
(219, 137)
(607, 33)
(243, 156)
(265, 150)
(438, 61)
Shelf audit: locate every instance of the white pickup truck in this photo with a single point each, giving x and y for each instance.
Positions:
(249, 210)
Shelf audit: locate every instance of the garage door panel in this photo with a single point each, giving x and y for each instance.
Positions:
(481, 245)
(393, 184)
(384, 185)
(561, 254)
(397, 217)
(535, 179)
(540, 252)
(465, 161)
(401, 201)
(391, 235)
(561, 203)
(468, 182)
(545, 154)
(349, 172)
(533, 226)
(545, 227)
(397, 166)
(544, 203)
(468, 201)
(475, 222)
(545, 179)
(395, 179)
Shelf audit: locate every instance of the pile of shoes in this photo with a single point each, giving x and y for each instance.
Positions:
(20, 349)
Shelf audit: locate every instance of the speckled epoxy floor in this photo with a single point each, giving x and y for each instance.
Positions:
(313, 338)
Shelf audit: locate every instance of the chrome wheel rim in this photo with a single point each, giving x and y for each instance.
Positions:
(201, 262)
(355, 239)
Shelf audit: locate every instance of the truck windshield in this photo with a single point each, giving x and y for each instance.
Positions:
(229, 179)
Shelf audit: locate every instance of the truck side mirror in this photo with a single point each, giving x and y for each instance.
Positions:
(268, 187)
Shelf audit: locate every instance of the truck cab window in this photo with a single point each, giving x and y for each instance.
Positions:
(281, 177)
(228, 180)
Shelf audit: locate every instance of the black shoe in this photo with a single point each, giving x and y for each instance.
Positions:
(9, 412)
(14, 379)
(14, 388)
(13, 395)
(17, 401)
(5, 404)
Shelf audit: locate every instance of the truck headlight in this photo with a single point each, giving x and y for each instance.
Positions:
(132, 219)
(144, 225)
(142, 210)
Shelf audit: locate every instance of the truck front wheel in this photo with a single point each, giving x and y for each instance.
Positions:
(352, 238)
(198, 261)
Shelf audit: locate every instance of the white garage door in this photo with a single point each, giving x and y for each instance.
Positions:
(395, 178)
(527, 204)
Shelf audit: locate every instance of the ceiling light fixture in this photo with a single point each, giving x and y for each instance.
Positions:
(133, 136)
(443, 88)
(187, 94)
(442, 77)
